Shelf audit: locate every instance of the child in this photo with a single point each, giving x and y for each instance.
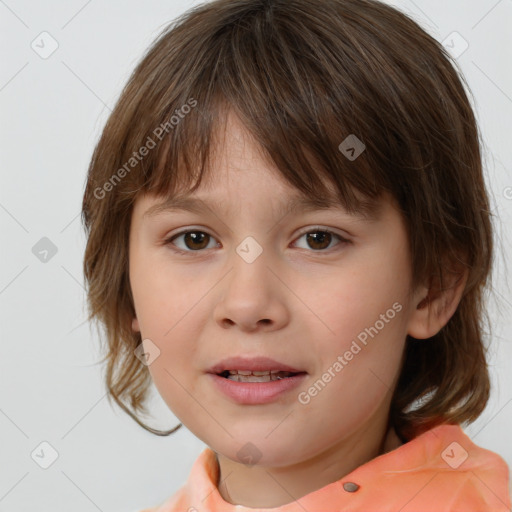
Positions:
(324, 338)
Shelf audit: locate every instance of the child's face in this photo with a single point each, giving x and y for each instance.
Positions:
(303, 302)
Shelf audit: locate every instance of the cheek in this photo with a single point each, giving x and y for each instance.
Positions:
(164, 304)
(363, 317)
(375, 286)
(357, 372)
(350, 302)
(163, 296)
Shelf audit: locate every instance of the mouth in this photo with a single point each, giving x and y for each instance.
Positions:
(256, 387)
(257, 376)
(255, 380)
(254, 369)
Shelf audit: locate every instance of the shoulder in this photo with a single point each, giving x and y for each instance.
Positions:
(465, 474)
(441, 469)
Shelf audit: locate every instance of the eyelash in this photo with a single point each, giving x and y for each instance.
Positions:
(315, 229)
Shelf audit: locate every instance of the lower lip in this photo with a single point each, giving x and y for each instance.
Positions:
(256, 392)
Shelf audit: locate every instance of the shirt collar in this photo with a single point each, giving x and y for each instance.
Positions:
(444, 450)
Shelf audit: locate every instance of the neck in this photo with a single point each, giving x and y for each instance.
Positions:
(269, 487)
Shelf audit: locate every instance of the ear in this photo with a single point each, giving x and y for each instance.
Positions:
(135, 324)
(437, 304)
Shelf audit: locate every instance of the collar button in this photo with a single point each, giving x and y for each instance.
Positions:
(350, 487)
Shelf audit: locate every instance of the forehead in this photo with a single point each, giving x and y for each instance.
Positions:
(295, 203)
(236, 154)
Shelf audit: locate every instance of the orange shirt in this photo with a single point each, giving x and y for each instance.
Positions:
(439, 470)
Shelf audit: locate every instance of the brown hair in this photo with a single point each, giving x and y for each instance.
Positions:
(302, 75)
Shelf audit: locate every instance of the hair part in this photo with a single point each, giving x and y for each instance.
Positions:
(302, 77)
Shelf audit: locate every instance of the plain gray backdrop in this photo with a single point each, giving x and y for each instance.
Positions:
(63, 67)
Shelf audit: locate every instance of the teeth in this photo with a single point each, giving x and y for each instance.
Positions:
(246, 376)
(248, 372)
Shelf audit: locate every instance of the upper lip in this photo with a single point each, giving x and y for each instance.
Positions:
(257, 364)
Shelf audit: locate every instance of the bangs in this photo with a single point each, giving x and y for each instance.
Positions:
(185, 157)
(298, 129)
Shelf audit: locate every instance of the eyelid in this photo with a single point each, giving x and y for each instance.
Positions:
(322, 228)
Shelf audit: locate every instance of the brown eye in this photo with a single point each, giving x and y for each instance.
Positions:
(193, 240)
(319, 239)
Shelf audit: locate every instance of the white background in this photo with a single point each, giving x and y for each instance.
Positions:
(52, 112)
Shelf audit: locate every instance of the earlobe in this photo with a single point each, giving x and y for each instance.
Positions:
(434, 310)
(135, 325)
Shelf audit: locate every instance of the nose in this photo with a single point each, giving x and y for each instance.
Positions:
(252, 296)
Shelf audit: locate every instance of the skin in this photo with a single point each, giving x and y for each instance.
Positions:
(296, 303)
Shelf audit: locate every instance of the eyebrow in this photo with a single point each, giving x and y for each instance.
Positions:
(367, 211)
